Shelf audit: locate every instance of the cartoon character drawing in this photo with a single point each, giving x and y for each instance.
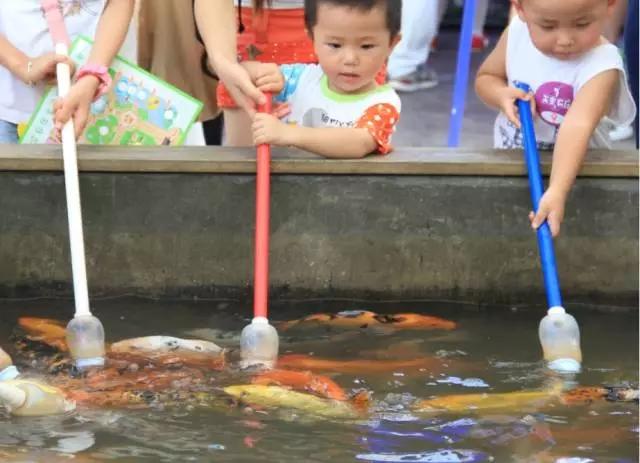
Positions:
(103, 131)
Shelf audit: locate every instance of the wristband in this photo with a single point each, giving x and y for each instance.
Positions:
(101, 73)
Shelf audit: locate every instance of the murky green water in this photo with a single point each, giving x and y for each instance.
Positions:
(493, 350)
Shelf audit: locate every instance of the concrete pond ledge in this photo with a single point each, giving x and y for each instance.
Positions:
(403, 161)
(422, 223)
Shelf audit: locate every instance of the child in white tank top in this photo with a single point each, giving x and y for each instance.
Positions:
(577, 79)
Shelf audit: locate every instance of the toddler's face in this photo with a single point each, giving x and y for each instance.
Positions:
(351, 45)
(564, 29)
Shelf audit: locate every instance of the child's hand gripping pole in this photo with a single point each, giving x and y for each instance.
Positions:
(558, 331)
(259, 340)
(85, 334)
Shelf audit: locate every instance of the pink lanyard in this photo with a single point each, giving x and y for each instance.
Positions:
(55, 21)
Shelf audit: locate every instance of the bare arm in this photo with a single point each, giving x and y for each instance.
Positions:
(586, 111)
(13, 59)
(111, 31)
(492, 74)
(331, 142)
(492, 85)
(589, 107)
(337, 143)
(216, 23)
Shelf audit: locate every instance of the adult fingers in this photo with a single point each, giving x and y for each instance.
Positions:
(251, 91)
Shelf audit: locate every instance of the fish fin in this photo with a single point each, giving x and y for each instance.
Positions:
(361, 400)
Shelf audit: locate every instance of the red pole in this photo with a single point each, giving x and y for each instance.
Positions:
(261, 275)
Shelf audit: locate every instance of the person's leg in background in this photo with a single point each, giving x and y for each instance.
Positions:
(479, 41)
(407, 64)
(631, 53)
(213, 131)
(8, 133)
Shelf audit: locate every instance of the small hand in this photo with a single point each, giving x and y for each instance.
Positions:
(267, 129)
(268, 78)
(43, 68)
(281, 110)
(508, 97)
(76, 104)
(551, 209)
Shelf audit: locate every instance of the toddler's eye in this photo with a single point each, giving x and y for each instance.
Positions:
(582, 25)
(368, 46)
(333, 45)
(546, 27)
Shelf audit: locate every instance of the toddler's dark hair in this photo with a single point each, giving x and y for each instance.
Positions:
(393, 11)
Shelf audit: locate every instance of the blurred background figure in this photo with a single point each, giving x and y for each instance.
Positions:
(613, 33)
(631, 53)
(408, 69)
(408, 66)
(168, 48)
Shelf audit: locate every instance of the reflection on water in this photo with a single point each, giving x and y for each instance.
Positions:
(490, 352)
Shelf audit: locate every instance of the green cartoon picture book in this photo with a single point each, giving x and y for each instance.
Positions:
(139, 109)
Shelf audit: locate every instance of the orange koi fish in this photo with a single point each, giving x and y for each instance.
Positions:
(364, 366)
(303, 381)
(367, 319)
(46, 330)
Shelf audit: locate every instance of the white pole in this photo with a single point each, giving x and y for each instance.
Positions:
(74, 212)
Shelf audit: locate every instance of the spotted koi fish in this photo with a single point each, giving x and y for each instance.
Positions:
(367, 319)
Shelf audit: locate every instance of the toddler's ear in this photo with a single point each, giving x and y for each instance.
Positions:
(516, 8)
(395, 40)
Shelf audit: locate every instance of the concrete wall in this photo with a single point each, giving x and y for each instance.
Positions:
(395, 236)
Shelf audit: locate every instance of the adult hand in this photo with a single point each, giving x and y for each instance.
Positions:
(43, 68)
(238, 83)
(268, 78)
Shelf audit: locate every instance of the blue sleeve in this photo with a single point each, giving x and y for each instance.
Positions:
(291, 74)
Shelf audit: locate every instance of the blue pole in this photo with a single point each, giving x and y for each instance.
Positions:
(462, 73)
(545, 240)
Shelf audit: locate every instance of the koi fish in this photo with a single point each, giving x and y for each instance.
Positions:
(46, 330)
(523, 399)
(303, 381)
(588, 395)
(167, 350)
(363, 366)
(279, 397)
(367, 319)
(486, 401)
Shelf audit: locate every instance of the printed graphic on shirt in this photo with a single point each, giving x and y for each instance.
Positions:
(318, 117)
(77, 7)
(553, 100)
(511, 137)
